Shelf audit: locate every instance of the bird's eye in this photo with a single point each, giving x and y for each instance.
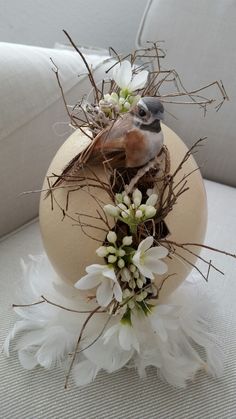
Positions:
(141, 112)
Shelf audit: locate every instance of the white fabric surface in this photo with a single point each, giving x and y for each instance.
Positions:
(199, 40)
(39, 394)
(33, 121)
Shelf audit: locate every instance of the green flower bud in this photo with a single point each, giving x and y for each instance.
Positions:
(139, 283)
(127, 240)
(126, 275)
(111, 249)
(131, 304)
(152, 200)
(121, 263)
(138, 214)
(150, 211)
(137, 197)
(102, 251)
(111, 210)
(126, 200)
(112, 237)
(132, 268)
(126, 293)
(121, 253)
(112, 259)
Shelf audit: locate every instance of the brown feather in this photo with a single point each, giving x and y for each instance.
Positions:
(107, 145)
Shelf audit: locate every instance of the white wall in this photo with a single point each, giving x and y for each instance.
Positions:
(90, 22)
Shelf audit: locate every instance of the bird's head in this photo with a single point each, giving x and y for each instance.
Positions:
(148, 110)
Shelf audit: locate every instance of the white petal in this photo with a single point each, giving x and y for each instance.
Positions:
(84, 373)
(145, 271)
(110, 273)
(145, 244)
(161, 268)
(155, 265)
(142, 267)
(136, 259)
(117, 292)
(158, 252)
(89, 281)
(139, 80)
(104, 293)
(122, 74)
(94, 268)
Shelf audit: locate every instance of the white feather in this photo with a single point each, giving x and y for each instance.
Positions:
(168, 339)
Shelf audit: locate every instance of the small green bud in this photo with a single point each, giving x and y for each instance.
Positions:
(102, 251)
(112, 237)
(121, 263)
(112, 259)
(127, 240)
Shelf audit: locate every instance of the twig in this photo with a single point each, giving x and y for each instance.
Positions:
(77, 344)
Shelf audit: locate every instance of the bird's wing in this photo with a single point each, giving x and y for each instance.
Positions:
(117, 129)
(108, 145)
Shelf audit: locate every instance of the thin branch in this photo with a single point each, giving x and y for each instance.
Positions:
(78, 343)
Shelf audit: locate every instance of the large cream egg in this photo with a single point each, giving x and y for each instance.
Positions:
(70, 250)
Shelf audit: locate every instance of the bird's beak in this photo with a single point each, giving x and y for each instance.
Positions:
(160, 116)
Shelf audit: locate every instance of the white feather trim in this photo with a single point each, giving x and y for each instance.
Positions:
(167, 339)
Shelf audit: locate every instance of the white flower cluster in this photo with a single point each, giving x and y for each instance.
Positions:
(120, 104)
(132, 211)
(113, 103)
(114, 254)
(138, 276)
(136, 272)
(129, 271)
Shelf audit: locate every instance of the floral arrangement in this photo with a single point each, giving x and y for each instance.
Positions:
(135, 329)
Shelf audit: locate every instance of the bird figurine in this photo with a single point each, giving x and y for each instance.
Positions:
(130, 142)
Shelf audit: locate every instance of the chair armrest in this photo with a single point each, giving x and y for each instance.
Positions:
(31, 113)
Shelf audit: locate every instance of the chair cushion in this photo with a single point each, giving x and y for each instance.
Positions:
(40, 393)
(199, 40)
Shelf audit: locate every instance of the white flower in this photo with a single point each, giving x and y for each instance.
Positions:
(126, 336)
(147, 258)
(103, 277)
(122, 74)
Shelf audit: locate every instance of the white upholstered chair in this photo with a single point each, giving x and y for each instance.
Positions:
(199, 37)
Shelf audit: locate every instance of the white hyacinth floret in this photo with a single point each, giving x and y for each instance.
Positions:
(125, 283)
(131, 210)
(128, 82)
